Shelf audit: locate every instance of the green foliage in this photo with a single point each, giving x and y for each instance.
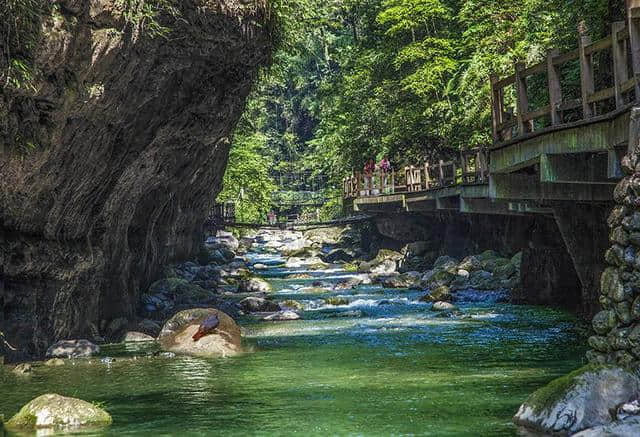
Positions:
(409, 79)
(247, 180)
(20, 28)
(147, 13)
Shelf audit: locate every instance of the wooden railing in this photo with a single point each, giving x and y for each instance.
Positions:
(469, 168)
(621, 45)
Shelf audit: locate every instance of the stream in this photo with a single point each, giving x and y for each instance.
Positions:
(383, 364)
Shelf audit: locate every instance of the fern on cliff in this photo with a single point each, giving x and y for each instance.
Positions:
(20, 27)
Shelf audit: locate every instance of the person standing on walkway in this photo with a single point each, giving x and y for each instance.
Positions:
(369, 168)
(385, 168)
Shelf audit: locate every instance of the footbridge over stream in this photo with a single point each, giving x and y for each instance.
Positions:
(561, 160)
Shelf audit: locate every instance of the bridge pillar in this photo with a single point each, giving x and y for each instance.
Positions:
(584, 231)
(617, 325)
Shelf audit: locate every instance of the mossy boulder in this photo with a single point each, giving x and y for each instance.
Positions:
(580, 400)
(58, 413)
(294, 304)
(441, 293)
(336, 301)
(437, 278)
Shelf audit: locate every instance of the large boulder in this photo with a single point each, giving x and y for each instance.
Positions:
(441, 293)
(56, 413)
(582, 399)
(337, 255)
(254, 304)
(254, 285)
(176, 335)
(72, 349)
(223, 239)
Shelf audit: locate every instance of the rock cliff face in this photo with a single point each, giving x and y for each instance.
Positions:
(113, 152)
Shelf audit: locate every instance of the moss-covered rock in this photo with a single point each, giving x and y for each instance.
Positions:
(582, 399)
(292, 304)
(336, 301)
(58, 413)
(442, 293)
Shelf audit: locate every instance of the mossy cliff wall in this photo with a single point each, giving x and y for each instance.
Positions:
(112, 148)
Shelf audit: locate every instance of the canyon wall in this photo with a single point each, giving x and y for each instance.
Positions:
(113, 153)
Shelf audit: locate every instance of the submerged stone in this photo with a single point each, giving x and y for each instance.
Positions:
(282, 316)
(57, 412)
(72, 349)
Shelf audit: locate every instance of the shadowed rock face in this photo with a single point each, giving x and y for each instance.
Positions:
(130, 136)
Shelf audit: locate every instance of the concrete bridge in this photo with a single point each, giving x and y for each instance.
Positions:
(560, 161)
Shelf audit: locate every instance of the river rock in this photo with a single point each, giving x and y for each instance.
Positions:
(337, 255)
(348, 283)
(299, 276)
(72, 349)
(442, 293)
(254, 304)
(446, 263)
(55, 412)
(629, 427)
(443, 306)
(483, 280)
(336, 301)
(254, 285)
(136, 337)
(176, 335)
(400, 281)
(292, 304)
(282, 316)
(223, 239)
(580, 400)
(470, 263)
(54, 362)
(22, 369)
(149, 327)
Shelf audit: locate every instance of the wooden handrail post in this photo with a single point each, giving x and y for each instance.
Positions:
(454, 167)
(465, 166)
(522, 100)
(586, 71)
(619, 51)
(441, 173)
(496, 107)
(633, 15)
(427, 178)
(555, 91)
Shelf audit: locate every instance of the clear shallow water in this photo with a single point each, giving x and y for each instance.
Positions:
(357, 369)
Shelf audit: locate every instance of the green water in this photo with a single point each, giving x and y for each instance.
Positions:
(360, 369)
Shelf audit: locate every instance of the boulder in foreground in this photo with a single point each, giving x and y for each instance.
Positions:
(72, 349)
(177, 334)
(580, 400)
(55, 412)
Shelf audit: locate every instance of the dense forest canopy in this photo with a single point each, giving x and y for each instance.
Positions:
(409, 79)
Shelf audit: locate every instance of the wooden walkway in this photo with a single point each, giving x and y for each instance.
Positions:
(567, 150)
(294, 225)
